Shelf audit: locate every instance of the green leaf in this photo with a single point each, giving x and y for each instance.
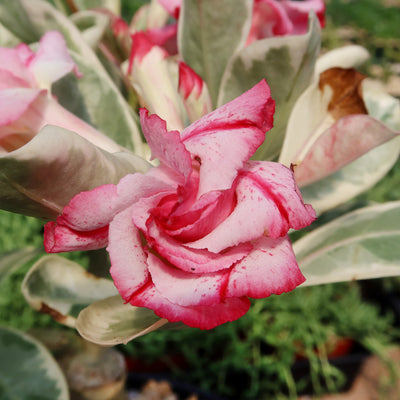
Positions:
(208, 36)
(92, 26)
(62, 288)
(287, 63)
(363, 244)
(111, 321)
(40, 178)
(7, 39)
(380, 104)
(353, 179)
(112, 5)
(101, 102)
(13, 260)
(27, 369)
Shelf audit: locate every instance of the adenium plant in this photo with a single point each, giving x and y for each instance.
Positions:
(207, 228)
(205, 225)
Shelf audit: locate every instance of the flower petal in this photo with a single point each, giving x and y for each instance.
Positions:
(271, 268)
(193, 260)
(15, 102)
(52, 60)
(59, 238)
(204, 216)
(154, 78)
(185, 288)
(166, 146)
(203, 317)
(195, 95)
(96, 208)
(268, 202)
(128, 259)
(227, 137)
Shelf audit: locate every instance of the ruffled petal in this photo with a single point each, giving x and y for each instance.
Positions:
(128, 258)
(96, 208)
(202, 218)
(280, 184)
(59, 238)
(271, 268)
(193, 260)
(203, 317)
(15, 102)
(268, 202)
(52, 60)
(166, 146)
(185, 288)
(226, 138)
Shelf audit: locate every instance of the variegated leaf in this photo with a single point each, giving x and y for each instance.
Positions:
(28, 370)
(208, 35)
(287, 63)
(360, 245)
(40, 178)
(62, 288)
(111, 321)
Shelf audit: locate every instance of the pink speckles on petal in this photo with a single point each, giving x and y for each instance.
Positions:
(128, 258)
(227, 137)
(166, 146)
(185, 288)
(61, 238)
(202, 317)
(271, 268)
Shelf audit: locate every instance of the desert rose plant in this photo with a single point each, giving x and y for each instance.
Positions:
(236, 119)
(215, 224)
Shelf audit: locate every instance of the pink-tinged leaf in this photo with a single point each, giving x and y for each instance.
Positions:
(196, 261)
(128, 258)
(203, 317)
(337, 93)
(227, 137)
(166, 146)
(52, 60)
(185, 288)
(268, 202)
(271, 268)
(59, 238)
(347, 140)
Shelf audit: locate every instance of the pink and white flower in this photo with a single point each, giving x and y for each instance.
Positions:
(196, 236)
(285, 17)
(270, 18)
(25, 94)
